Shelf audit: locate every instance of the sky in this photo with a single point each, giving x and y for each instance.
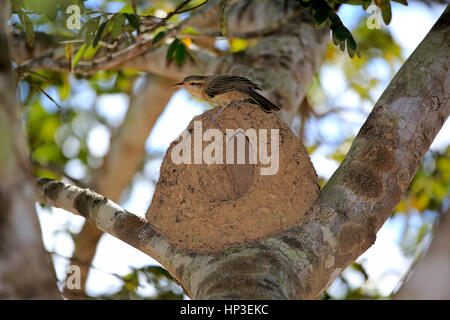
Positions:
(384, 261)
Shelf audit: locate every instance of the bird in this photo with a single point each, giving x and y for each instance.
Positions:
(225, 90)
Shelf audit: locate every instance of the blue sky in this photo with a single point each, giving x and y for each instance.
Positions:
(384, 261)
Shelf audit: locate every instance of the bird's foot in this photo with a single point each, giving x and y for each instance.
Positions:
(220, 111)
(232, 103)
(213, 118)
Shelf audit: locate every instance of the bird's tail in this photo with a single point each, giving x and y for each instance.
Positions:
(263, 102)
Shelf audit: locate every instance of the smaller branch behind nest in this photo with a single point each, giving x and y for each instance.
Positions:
(252, 34)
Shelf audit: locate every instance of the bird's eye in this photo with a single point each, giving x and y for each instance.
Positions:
(195, 84)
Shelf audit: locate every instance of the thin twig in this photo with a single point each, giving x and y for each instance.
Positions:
(55, 169)
(193, 8)
(88, 265)
(45, 93)
(133, 5)
(121, 56)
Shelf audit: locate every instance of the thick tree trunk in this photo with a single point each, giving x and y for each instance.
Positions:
(25, 269)
(120, 165)
(299, 263)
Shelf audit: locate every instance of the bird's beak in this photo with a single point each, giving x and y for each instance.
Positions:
(178, 84)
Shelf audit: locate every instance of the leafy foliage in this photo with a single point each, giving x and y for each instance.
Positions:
(430, 186)
(323, 12)
(110, 27)
(159, 36)
(158, 277)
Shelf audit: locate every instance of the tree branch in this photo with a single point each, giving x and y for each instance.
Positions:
(25, 270)
(103, 213)
(113, 60)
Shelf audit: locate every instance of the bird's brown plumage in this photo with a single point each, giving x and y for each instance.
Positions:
(228, 88)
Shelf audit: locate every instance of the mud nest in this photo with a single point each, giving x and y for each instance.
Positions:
(208, 207)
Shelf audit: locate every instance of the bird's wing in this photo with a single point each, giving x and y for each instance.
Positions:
(225, 83)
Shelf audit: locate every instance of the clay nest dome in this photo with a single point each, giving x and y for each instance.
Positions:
(208, 207)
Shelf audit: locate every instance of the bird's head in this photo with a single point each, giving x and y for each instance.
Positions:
(195, 85)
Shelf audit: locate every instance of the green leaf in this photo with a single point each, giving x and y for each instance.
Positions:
(79, 54)
(334, 18)
(222, 20)
(92, 26)
(360, 268)
(312, 148)
(404, 2)
(90, 52)
(352, 48)
(81, 5)
(341, 32)
(171, 49)
(131, 281)
(304, 3)
(33, 5)
(180, 53)
(189, 30)
(99, 33)
(34, 73)
(132, 20)
(366, 3)
(117, 25)
(315, 5)
(82, 30)
(351, 52)
(321, 15)
(386, 11)
(159, 36)
(351, 43)
(45, 7)
(29, 29)
(50, 9)
(157, 272)
(335, 40)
